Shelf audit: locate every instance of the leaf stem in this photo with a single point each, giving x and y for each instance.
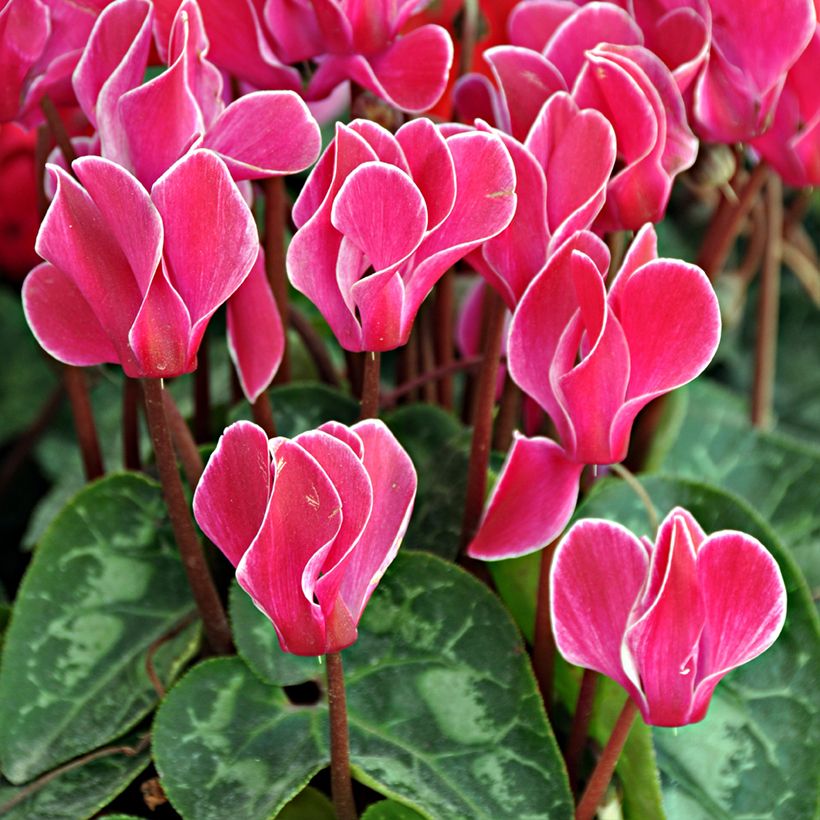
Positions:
(341, 785)
(370, 384)
(602, 774)
(217, 631)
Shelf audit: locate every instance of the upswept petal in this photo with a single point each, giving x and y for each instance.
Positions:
(280, 568)
(525, 81)
(380, 209)
(380, 300)
(475, 98)
(210, 237)
(256, 338)
(591, 25)
(662, 645)
(577, 150)
(24, 31)
(76, 239)
(596, 575)
(744, 599)
(485, 205)
(531, 502)
(541, 317)
(431, 167)
(642, 249)
(387, 147)
(266, 133)
(129, 215)
(62, 321)
(294, 27)
(232, 496)
(520, 250)
(394, 481)
(532, 24)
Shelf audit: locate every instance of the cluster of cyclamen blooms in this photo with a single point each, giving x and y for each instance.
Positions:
(593, 110)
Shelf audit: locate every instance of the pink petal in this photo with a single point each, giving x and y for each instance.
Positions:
(77, 239)
(474, 97)
(642, 249)
(596, 575)
(532, 24)
(24, 32)
(161, 334)
(592, 24)
(380, 301)
(662, 638)
(280, 569)
(576, 149)
(295, 29)
(671, 319)
(430, 165)
(394, 482)
(745, 605)
(266, 133)
(484, 206)
(382, 212)
(525, 81)
(520, 250)
(386, 146)
(256, 338)
(232, 495)
(62, 321)
(531, 503)
(210, 237)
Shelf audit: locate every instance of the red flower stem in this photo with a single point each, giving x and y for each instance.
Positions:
(263, 414)
(202, 393)
(443, 321)
(483, 418)
(355, 372)
(341, 785)
(508, 413)
(543, 648)
(130, 424)
(390, 399)
(275, 215)
(184, 442)
(217, 631)
(598, 782)
(768, 308)
(76, 387)
(427, 356)
(370, 384)
(580, 725)
(726, 223)
(55, 125)
(315, 347)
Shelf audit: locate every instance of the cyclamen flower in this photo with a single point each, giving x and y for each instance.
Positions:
(133, 278)
(310, 523)
(592, 359)
(382, 217)
(666, 620)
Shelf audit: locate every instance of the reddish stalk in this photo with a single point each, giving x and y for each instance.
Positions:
(275, 216)
(427, 354)
(184, 442)
(443, 307)
(768, 308)
(214, 620)
(263, 414)
(726, 223)
(391, 399)
(130, 424)
(543, 646)
(76, 386)
(508, 413)
(580, 726)
(370, 384)
(55, 125)
(315, 347)
(341, 785)
(598, 782)
(483, 419)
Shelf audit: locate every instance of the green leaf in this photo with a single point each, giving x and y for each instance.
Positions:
(516, 580)
(105, 583)
(228, 745)
(443, 709)
(253, 633)
(309, 804)
(390, 810)
(301, 407)
(50, 505)
(757, 752)
(26, 378)
(776, 473)
(78, 793)
(439, 446)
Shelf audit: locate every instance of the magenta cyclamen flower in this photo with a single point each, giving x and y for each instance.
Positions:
(592, 359)
(667, 620)
(310, 523)
(382, 217)
(133, 278)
